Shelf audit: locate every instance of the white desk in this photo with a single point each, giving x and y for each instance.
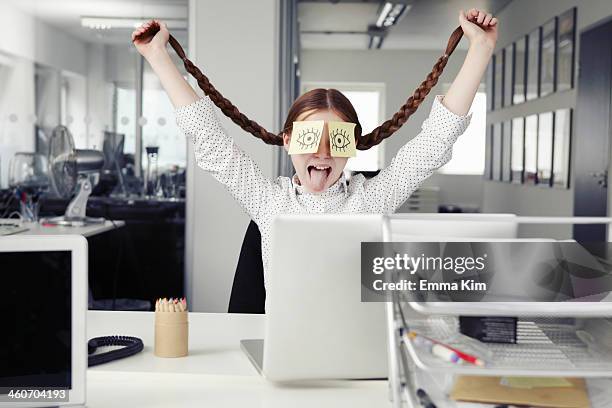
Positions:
(35, 228)
(215, 374)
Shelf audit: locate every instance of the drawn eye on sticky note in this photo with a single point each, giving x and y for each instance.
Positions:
(342, 139)
(306, 136)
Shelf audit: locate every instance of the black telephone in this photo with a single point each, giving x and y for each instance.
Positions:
(132, 345)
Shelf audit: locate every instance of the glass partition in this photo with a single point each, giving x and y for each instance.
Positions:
(159, 124)
(545, 148)
(17, 110)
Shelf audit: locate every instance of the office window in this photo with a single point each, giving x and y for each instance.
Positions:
(517, 149)
(367, 99)
(498, 90)
(17, 107)
(548, 57)
(367, 105)
(488, 153)
(531, 149)
(160, 128)
(545, 148)
(508, 74)
(469, 150)
(506, 151)
(497, 152)
(73, 98)
(533, 65)
(125, 102)
(520, 59)
(566, 38)
(561, 154)
(490, 83)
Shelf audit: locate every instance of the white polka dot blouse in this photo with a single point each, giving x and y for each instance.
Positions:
(262, 198)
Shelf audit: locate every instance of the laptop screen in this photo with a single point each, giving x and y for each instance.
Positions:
(35, 300)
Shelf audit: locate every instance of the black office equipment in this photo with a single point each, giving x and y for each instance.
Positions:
(248, 291)
(490, 329)
(424, 399)
(131, 346)
(36, 295)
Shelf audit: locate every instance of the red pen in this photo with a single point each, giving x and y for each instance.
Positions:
(464, 356)
(468, 357)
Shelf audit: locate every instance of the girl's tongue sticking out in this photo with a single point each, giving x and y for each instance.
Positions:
(318, 176)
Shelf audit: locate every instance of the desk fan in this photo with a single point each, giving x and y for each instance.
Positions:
(70, 171)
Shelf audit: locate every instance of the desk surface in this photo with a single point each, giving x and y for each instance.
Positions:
(216, 373)
(214, 342)
(35, 228)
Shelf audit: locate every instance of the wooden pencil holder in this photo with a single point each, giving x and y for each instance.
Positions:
(171, 334)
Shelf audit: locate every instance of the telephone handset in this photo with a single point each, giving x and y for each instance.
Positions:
(131, 346)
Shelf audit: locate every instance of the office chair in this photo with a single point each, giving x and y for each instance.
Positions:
(248, 291)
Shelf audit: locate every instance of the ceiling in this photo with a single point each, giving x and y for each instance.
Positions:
(427, 25)
(66, 15)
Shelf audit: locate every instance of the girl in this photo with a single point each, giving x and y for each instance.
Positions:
(319, 185)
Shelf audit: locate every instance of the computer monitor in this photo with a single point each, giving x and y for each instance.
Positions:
(43, 298)
(317, 327)
(424, 226)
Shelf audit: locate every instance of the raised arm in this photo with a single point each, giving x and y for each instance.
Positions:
(154, 50)
(432, 147)
(481, 30)
(215, 151)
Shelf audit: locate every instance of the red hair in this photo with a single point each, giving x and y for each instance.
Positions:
(323, 99)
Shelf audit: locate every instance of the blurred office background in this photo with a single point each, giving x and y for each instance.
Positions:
(538, 143)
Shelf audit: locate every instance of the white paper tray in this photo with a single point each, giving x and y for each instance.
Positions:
(561, 309)
(543, 349)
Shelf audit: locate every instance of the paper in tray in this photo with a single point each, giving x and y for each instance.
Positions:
(490, 390)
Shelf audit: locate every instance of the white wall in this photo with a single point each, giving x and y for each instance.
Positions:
(517, 19)
(120, 64)
(76, 108)
(25, 36)
(241, 62)
(25, 40)
(401, 71)
(47, 95)
(16, 111)
(99, 96)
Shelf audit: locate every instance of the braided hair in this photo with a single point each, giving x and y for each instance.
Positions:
(364, 142)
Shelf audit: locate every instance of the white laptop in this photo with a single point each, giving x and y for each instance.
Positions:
(43, 290)
(317, 326)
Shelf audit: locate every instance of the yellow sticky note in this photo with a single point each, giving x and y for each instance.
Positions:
(306, 136)
(535, 382)
(342, 139)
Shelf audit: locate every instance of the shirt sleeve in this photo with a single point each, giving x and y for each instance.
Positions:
(416, 160)
(217, 153)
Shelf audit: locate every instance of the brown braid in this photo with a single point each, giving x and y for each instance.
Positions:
(363, 143)
(401, 116)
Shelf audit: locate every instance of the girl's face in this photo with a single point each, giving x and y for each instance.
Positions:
(317, 171)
